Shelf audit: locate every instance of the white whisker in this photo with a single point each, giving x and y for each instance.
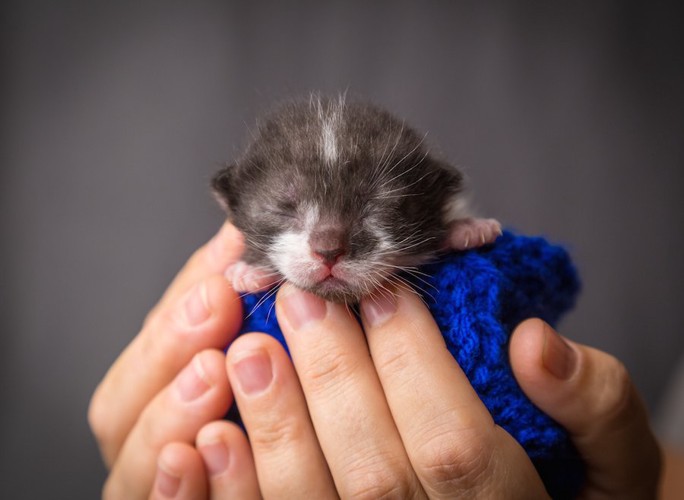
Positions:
(265, 297)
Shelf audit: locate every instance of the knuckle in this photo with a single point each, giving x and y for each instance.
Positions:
(374, 487)
(614, 394)
(96, 416)
(99, 422)
(393, 360)
(378, 480)
(151, 316)
(153, 434)
(329, 370)
(198, 257)
(158, 424)
(276, 435)
(455, 470)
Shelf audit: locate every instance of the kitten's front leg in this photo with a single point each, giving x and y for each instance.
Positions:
(472, 232)
(251, 278)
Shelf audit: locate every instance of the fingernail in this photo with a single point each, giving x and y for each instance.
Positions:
(301, 308)
(379, 308)
(254, 372)
(166, 482)
(192, 382)
(216, 457)
(196, 306)
(558, 357)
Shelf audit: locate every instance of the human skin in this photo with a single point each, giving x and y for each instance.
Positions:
(388, 412)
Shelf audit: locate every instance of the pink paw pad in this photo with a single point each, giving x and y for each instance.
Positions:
(473, 233)
(247, 278)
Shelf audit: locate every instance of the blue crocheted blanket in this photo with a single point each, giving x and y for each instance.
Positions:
(477, 298)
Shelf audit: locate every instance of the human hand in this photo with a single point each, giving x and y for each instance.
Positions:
(388, 413)
(591, 394)
(171, 379)
(397, 416)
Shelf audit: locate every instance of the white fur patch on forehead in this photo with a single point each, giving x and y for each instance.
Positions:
(329, 141)
(329, 118)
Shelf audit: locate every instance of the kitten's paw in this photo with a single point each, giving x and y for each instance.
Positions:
(473, 233)
(248, 278)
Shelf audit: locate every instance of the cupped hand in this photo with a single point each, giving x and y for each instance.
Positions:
(592, 395)
(390, 413)
(385, 414)
(171, 380)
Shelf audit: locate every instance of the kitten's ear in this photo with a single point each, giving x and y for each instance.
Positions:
(453, 176)
(456, 195)
(223, 187)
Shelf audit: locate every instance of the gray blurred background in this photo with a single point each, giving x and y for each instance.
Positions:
(568, 117)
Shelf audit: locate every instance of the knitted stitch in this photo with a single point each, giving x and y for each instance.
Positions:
(477, 298)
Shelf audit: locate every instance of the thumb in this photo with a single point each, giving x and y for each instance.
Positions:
(591, 394)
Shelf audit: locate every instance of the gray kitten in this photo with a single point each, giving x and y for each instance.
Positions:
(339, 197)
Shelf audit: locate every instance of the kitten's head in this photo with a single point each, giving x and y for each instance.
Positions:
(338, 198)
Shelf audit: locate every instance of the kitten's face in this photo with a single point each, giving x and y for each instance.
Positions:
(339, 243)
(338, 210)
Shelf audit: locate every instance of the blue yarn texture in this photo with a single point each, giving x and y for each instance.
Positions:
(477, 298)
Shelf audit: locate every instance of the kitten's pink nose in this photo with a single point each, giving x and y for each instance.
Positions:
(329, 257)
(328, 244)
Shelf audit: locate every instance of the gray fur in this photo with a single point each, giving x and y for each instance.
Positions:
(365, 172)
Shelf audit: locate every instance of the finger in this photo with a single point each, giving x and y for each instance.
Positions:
(591, 394)
(208, 316)
(198, 395)
(451, 439)
(672, 481)
(214, 257)
(228, 461)
(174, 330)
(345, 399)
(180, 474)
(288, 458)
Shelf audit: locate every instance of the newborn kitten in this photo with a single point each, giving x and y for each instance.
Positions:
(338, 198)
